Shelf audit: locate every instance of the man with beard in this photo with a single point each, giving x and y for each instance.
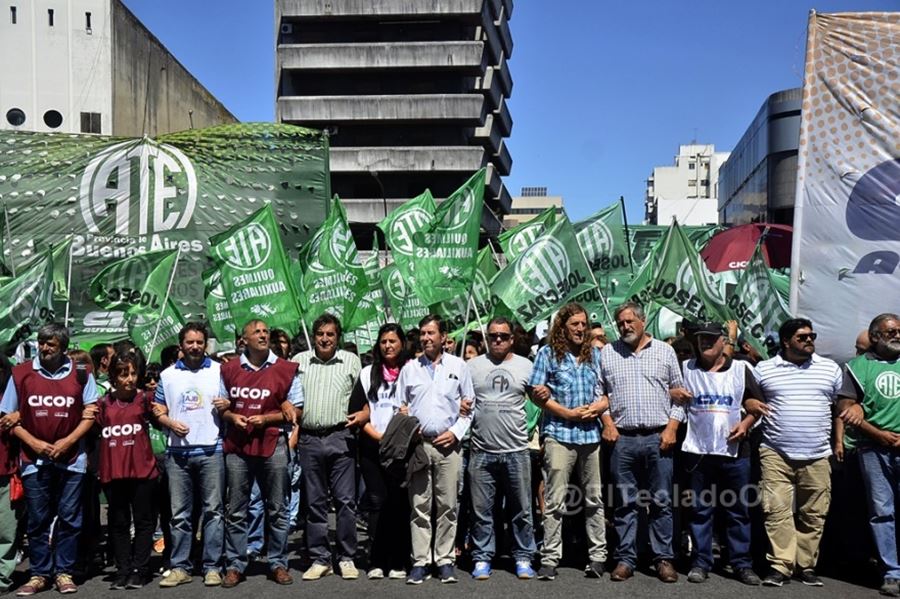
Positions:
(564, 383)
(640, 376)
(872, 382)
(800, 388)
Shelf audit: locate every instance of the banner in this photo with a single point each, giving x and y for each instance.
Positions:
(406, 307)
(218, 313)
(551, 272)
(135, 285)
(515, 241)
(846, 249)
(371, 309)
(458, 311)
(153, 333)
(756, 305)
(26, 301)
(117, 197)
(256, 279)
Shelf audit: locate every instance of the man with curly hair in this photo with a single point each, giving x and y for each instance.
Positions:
(564, 383)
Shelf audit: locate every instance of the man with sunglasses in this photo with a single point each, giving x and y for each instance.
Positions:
(872, 388)
(800, 388)
(500, 459)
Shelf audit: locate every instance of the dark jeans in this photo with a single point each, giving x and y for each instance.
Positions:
(49, 492)
(638, 465)
(329, 464)
(271, 474)
(720, 481)
(131, 500)
(390, 543)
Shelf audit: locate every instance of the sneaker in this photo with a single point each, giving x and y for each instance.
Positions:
(482, 571)
(418, 575)
(348, 570)
(35, 584)
(775, 579)
(809, 578)
(890, 587)
(136, 580)
(317, 571)
(447, 573)
(212, 579)
(748, 577)
(697, 574)
(524, 571)
(595, 569)
(175, 577)
(65, 584)
(547, 573)
(397, 574)
(375, 574)
(120, 582)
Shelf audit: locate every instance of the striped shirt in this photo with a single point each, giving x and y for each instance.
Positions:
(571, 385)
(638, 384)
(325, 387)
(800, 399)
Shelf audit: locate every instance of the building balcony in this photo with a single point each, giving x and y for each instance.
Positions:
(318, 9)
(502, 24)
(503, 119)
(404, 159)
(311, 110)
(502, 160)
(466, 56)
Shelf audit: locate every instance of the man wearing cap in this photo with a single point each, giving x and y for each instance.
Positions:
(717, 455)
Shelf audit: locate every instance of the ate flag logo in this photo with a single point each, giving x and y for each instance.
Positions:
(247, 249)
(146, 187)
(597, 240)
(543, 266)
(404, 227)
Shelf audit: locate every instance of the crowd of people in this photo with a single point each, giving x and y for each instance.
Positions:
(487, 456)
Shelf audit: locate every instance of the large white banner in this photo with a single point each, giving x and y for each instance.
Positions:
(846, 254)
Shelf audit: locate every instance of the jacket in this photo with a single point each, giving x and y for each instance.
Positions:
(401, 452)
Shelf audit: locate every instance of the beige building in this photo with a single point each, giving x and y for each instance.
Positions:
(531, 202)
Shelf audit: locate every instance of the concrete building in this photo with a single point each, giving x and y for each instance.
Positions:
(89, 66)
(413, 94)
(688, 190)
(531, 202)
(758, 182)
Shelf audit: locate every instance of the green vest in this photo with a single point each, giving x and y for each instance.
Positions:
(880, 384)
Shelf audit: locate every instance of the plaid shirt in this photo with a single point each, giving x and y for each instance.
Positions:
(572, 385)
(638, 384)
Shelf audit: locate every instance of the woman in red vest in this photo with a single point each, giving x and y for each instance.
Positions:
(128, 471)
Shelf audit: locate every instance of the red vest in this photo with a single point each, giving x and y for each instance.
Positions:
(9, 447)
(255, 392)
(50, 409)
(125, 449)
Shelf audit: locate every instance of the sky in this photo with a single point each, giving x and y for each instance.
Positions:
(603, 91)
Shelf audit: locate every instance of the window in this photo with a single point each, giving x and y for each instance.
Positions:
(704, 182)
(87, 22)
(90, 122)
(50, 16)
(15, 117)
(12, 15)
(692, 165)
(53, 119)
(692, 183)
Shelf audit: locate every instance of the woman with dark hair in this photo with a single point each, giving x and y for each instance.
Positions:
(280, 342)
(389, 548)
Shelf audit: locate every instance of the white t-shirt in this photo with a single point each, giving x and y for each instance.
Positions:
(386, 404)
(715, 408)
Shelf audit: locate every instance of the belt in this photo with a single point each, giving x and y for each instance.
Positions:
(323, 432)
(640, 432)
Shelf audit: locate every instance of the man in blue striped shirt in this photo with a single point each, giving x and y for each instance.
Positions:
(564, 381)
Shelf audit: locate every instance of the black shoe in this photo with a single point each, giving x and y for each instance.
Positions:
(120, 583)
(809, 578)
(748, 577)
(890, 587)
(595, 569)
(136, 581)
(547, 573)
(697, 574)
(775, 579)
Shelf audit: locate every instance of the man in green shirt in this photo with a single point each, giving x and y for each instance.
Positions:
(872, 382)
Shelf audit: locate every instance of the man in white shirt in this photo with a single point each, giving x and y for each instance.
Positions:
(434, 386)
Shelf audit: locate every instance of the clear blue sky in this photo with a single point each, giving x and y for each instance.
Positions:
(603, 90)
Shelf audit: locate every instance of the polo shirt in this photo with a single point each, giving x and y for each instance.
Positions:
(325, 387)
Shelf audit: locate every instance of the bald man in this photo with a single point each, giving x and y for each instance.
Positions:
(862, 343)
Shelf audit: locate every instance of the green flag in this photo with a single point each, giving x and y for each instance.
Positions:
(515, 241)
(371, 306)
(602, 239)
(402, 224)
(545, 276)
(446, 251)
(153, 333)
(756, 305)
(406, 307)
(682, 282)
(218, 312)
(458, 310)
(137, 284)
(26, 301)
(255, 274)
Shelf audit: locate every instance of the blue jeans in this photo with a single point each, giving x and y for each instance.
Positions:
(881, 473)
(53, 492)
(207, 472)
(272, 476)
(255, 519)
(296, 472)
(637, 464)
(511, 472)
(710, 476)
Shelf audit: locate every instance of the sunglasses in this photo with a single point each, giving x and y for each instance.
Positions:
(888, 333)
(806, 337)
(499, 336)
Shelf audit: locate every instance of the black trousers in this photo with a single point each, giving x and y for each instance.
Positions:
(390, 546)
(131, 500)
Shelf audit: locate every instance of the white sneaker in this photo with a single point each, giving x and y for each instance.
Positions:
(375, 574)
(317, 571)
(397, 574)
(348, 570)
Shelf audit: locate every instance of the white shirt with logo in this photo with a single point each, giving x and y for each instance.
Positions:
(715, 408)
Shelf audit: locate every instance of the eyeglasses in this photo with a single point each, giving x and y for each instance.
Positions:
(499, 336)
(806, 337)
(888, 333)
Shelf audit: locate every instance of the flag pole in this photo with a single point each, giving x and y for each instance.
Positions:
(69, 278)
(465, 333)
(627, 234)
(478, 315)
(306, 334)
(8, 239)
(165, 302)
